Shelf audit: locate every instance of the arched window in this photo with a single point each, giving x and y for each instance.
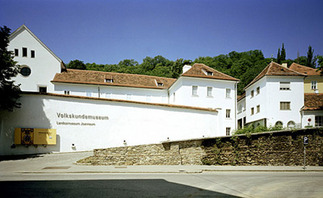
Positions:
(291, 124)
(279, 123)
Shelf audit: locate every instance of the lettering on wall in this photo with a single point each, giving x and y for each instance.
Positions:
(88, 118)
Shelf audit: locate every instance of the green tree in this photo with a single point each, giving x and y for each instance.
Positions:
(310, 57)
(76, 64)
(9, 92)
(128, 62)
(283, 53)
(279, 59)
(320, 63)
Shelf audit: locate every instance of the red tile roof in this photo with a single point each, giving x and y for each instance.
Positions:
(118, 79)
(313, 101)
(201, 71)
(274, 69)
(305, 70)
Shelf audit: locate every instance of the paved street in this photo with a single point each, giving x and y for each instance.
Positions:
(55, 175)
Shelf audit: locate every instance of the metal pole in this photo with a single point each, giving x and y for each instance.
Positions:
(304, 157)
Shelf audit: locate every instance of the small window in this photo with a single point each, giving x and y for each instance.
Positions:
(209, 91)
(284, 86)
(108, 80)
(24, 52)
(284, 105)
(228, 93)
(227, 131)
(194, 90)
(160, 84)
(252, 111)
(209, 73)
(67, 92)
(16, 52)
(252, 93)
(228, 113)
(279, 123)
(314, 85)
(32, 53)
(258, 90)
(318, 120)
(291, 124)
(43, 89)
(258, 108)
(25, 71)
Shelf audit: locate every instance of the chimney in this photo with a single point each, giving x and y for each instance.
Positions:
(186, 68)
(284, 65)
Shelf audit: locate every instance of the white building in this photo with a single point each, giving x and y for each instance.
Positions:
(91, 109)
(274, 97)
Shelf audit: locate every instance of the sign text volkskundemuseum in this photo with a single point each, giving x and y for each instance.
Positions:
(80, 116)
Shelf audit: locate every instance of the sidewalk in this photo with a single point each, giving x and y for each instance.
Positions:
(65, 163)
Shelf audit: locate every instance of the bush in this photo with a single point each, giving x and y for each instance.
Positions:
(250, 129)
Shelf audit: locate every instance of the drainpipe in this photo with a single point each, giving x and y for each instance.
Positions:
(236, 106)
(99, 92)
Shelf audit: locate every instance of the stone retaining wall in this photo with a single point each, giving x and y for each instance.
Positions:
(272, 148)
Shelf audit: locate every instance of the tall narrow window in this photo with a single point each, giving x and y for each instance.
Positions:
(228, 113)
(227, 131)
(228, 93)
(258, 108)
(252, 111)
(252, 93)
(258, 90)
(32, 53)
(174, 97)
(66, 92)
(318, 120)
(284, 105)
(284, 86)
(209, 91)
(24, 52)
(314, 85)
(194, 90)
(16, 52)
(42, 89)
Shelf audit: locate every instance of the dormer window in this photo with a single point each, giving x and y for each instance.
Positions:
(160, 84)
(209, 73)
(108, 80)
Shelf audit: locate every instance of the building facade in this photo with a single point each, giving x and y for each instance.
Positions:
(91, 109)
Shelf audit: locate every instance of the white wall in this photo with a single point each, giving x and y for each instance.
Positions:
(43, 67)
(270, 97)
(183, 96)
(114, 92)
(135, 123)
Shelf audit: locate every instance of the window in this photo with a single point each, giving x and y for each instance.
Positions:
(16, 52)
(258, 108)
(227, 131)
(67, 92)
(227, 113)
(42, 89)
(314, 85)
(228, 93)
(174, 97)
(252, 111)
(32, 53)
(160, 84)
(318, 120)
(108, 80)
(284, 86)
(209, 73)
(209, 91)
(284, 105)
(279, 123)
(25, 71)
(258, 90)
(252, 93)
(291, 124)
(194, 90)
(24, 52)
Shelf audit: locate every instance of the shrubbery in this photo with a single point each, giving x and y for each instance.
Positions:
(250, 129)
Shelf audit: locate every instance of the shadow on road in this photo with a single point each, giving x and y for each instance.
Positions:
(103, 188)
(20, 157)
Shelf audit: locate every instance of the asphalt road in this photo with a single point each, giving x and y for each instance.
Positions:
(215, 184)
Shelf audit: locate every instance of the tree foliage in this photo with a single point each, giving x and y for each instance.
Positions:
(9, 92)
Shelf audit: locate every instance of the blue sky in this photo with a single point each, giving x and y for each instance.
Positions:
(106, 32)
